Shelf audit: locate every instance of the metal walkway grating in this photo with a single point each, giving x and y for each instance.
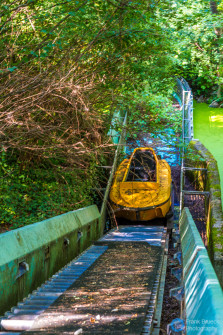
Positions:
(93, 294)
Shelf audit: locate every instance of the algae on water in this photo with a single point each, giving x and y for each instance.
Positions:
(208, 128)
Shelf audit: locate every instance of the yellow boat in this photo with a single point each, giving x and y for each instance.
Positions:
(141, 189)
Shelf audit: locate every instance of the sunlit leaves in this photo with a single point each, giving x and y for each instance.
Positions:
(198, 43)
(120, 55)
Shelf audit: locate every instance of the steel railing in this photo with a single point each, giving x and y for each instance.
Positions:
(185, 96)
(120, 147)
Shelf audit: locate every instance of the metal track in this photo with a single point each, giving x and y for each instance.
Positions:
(22, 317)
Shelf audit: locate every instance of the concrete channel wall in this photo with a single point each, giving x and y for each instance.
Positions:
(211, 183)
(203, 293)
(32, 254)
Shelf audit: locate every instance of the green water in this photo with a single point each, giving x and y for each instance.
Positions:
(208, 128)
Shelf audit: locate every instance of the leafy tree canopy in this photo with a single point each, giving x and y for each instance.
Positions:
(196, 27)
(65, 66)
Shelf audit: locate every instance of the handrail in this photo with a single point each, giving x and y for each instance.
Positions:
(185, 96)
(105, 199)
(184, 92)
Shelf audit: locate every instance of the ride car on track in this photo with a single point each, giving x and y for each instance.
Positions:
(141, 188)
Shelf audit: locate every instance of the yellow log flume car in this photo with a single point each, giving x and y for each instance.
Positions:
(141, 189)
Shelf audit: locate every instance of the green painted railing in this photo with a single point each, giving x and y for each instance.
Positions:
(32, 254)
(203, 293)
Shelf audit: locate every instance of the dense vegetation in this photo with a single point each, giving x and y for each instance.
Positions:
(197, 27)
(66, 66)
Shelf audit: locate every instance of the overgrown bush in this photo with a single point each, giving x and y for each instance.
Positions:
(31, 194)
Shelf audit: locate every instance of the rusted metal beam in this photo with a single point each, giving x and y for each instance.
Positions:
(196, 193)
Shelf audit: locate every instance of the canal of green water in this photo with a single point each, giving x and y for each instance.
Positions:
(208, 128)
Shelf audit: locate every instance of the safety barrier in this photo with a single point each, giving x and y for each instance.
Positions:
(31, 254)
(203, 293)
(116, 122)
(183, 94)
(120, 141)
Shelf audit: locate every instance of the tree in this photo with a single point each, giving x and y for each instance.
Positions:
(218, 32)
(65, 66)
(196, 27)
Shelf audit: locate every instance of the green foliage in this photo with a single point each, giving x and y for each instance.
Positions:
(33, 194)
(150, 112)
(67, 66)
(69, 63)
(192, 156)
(198, 43)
